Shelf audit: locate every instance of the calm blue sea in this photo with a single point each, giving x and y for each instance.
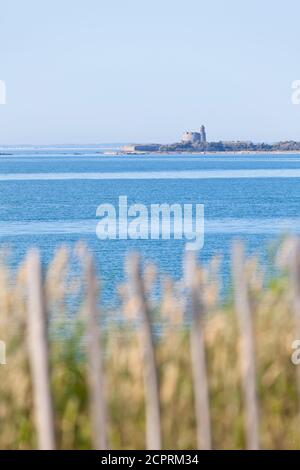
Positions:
(49, 197)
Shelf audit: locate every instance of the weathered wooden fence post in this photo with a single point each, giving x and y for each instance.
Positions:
(244, 313)
(294, 265)
(39, 353)
(198, 356)
(96, 376)
(150, 375)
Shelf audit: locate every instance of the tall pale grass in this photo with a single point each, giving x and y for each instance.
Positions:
(274, 327)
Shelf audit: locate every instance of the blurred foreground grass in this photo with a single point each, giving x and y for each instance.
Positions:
(274, 332)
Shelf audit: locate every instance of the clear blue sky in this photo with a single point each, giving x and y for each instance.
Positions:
(145, 70)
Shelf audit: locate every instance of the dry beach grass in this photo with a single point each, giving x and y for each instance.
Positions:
(273, 313)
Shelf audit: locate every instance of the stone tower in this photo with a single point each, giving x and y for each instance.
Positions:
(203, 134)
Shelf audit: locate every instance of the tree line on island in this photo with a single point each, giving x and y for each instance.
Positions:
(237, 146)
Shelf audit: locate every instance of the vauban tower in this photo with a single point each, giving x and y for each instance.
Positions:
(190, 137)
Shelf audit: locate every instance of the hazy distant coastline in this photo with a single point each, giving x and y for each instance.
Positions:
(234, 146)
(197, 142)
(232, 153)
(177, 150)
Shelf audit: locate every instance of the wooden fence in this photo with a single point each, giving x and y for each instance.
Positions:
(194, 301)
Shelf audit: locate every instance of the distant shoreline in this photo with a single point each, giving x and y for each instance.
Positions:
(242, 152)
(214, 153)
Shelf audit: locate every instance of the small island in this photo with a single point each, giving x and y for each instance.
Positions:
(196, 142)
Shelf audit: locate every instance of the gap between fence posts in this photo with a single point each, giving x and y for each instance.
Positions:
(198, 354)
(150, 372)
(96, 375)
(39, 353)
(248, 364)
